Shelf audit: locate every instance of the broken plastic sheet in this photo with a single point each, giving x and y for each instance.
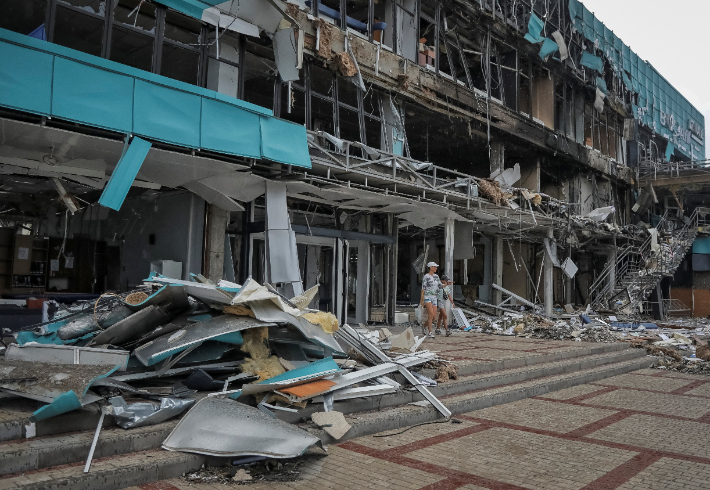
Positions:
(670, 148)
(218, 426)
(570, 268)
(561, 44)
(509, 176)
(548, 48)
(218, 328)
(124, 174)
(600, 214)
(655, 247)
(535, 26)
(286, 54)
(592, 62)
(146, 413)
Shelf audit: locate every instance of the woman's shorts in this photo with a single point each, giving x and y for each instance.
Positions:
(442, 303)
(430, 299)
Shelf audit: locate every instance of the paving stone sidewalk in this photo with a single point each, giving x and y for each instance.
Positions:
(644, 430)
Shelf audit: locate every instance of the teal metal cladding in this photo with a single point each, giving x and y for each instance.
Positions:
(124, 174)
(51, 80)
(658, 99)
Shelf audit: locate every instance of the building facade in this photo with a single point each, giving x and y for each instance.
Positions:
(343, 143)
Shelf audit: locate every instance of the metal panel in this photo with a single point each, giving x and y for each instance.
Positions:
(25, 79)
(172, 343)
(284, 142)
(223, 427)
(167, 115)
(124, 174)
(92, 95)
(64, 354)
(229, 129)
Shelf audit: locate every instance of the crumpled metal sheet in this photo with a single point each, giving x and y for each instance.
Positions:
(267, 311)
(77, 327)
(172, 343)
(133, 327)
(171, 296)
(222, 427)
(146, 413)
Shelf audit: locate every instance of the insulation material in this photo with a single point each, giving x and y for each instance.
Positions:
(445, 372)
(136, 298)
(238, 310)
(262, 363)
(327, 321)
(325, 36)
(344, 64)
(492, 192)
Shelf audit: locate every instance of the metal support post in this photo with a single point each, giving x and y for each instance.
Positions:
(548, 278)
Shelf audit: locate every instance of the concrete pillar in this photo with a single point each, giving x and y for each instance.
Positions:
(449, 248)
(218, 220)
(497, 296)
(392, 270)
(548, 277)
(497, 156)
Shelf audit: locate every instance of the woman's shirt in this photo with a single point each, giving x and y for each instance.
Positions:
(431, 284)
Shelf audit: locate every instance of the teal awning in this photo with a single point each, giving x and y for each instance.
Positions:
(47, 79)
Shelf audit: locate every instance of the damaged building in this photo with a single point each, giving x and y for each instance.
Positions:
(521, 145)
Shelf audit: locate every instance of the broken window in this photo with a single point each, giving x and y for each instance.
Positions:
(427, 43)
(348, 110)
(79, 24)
(373, 120)
(260, 73)
(524, 87)
(180, 57)
(133, 38)
(322, 110)
(296, 95)
(26, 17)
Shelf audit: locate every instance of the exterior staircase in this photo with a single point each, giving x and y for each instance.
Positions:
(51, 453)
(626, 283)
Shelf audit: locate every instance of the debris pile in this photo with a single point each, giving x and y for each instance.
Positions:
(240, 363)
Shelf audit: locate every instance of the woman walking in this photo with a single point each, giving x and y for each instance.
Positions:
(430, 288)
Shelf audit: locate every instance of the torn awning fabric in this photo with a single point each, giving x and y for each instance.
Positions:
(535, 26)
(592, 62)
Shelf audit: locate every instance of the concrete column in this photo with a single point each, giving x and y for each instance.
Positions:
(449, 248)
(218, 221)
(497, 296)
(392, 270)
(548, 275)
(497, 156)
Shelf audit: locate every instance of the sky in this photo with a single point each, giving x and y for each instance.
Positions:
(669, 34)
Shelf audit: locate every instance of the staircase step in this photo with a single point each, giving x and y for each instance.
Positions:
(44, 452)
(400, 417)
(108, 473)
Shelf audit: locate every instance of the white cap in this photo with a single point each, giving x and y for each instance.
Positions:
(432, 264)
